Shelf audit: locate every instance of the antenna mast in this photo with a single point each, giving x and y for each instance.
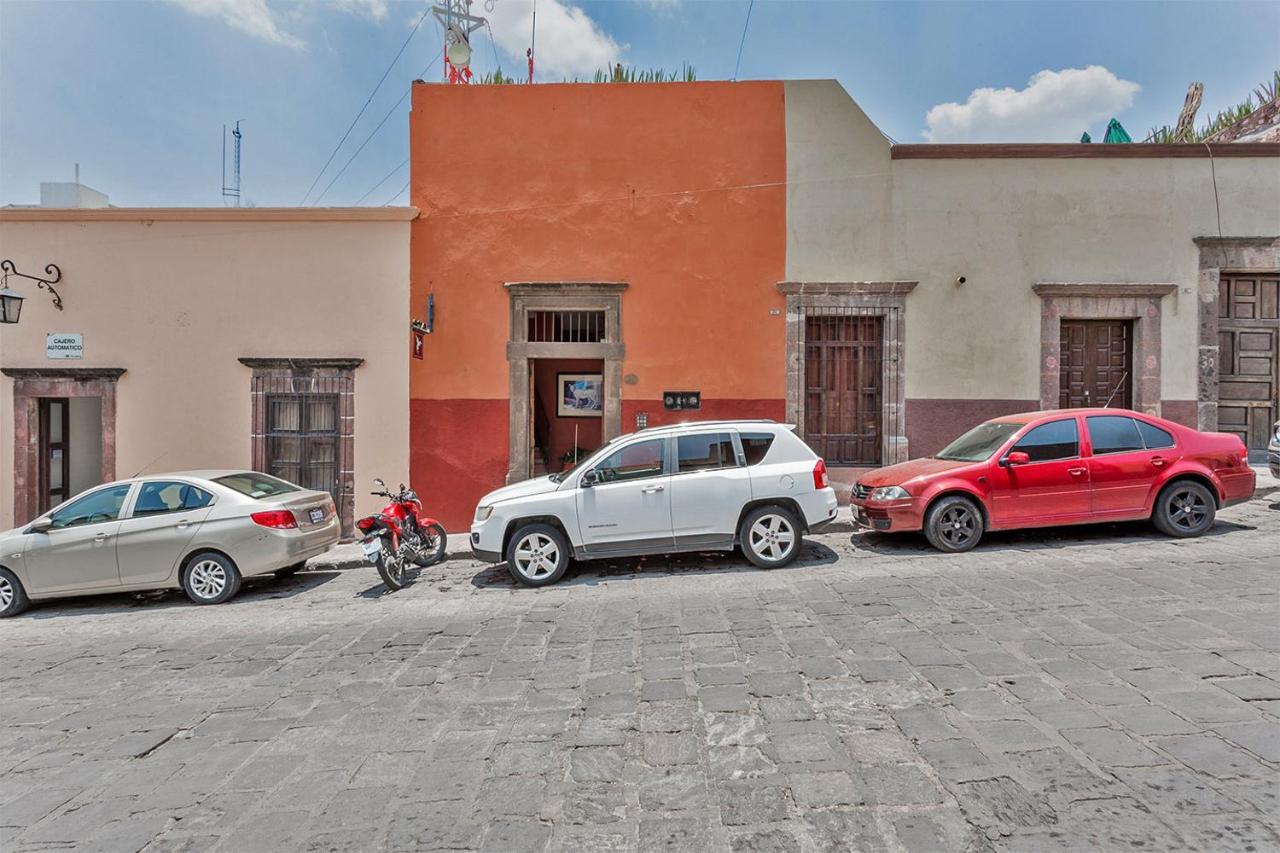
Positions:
(232, 191)
(458, 22)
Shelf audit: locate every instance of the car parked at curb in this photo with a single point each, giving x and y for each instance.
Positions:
(200, 531)
(1073, 466)
(701, 486)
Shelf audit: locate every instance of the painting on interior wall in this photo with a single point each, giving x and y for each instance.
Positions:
(581, 395)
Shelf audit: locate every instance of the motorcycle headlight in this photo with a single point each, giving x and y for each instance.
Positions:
(889, 493)
(483, 512)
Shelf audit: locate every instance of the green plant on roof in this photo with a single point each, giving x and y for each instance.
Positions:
(617, 74)
(1265, 93)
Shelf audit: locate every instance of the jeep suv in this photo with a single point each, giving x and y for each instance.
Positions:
(703, 486)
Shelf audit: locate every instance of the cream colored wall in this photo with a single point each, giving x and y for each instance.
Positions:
(1004, 224)
(176, 303)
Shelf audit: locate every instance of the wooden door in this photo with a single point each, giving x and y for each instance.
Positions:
(843, 410)
(1096, 364)
(55, 458)
(1248, 366)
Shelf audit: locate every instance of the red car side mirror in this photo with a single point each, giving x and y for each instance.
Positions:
(1016, 457)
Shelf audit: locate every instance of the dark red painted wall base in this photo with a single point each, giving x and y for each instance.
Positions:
(457, 453)
(932, 424)
(712, 410)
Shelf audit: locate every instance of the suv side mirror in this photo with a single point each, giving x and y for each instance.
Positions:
(1016, 457)
(41, 525)
(589, 479)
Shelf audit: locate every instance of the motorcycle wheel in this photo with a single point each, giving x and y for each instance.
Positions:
(434, 542)
(390, 568)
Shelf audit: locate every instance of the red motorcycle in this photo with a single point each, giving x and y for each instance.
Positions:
(400, 535)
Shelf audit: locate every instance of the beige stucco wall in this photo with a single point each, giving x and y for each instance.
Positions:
(177, 299)
(1004, 224)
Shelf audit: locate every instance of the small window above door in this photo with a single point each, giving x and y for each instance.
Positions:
(566, 327)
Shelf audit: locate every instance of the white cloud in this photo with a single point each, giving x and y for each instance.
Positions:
(568, 41)
(249, 16)
(375, 9)
(257, 19)
(1056, 106)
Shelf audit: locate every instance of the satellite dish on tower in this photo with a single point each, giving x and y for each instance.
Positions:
(459, 54)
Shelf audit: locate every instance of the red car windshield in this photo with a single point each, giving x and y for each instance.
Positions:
(978, 443)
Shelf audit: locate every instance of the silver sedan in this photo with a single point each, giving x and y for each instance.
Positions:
(200, 531)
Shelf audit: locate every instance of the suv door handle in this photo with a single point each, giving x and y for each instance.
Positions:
(102, 537)
(1075, 472)
(1157, 461)
(182, 525)
(648, 490)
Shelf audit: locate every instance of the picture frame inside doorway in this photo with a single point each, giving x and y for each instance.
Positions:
(580, 395)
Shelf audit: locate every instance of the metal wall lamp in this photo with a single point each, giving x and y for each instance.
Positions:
(11, 300)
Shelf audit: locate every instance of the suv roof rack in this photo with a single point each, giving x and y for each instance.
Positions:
(684, 424)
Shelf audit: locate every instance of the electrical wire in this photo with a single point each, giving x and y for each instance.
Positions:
(497, 63)
(374, 132)
(356, 203)
(368, 101)
(399, 193)
(745, 24)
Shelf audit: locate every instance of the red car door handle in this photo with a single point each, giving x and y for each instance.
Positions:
(1075, 472)
(1157, 461)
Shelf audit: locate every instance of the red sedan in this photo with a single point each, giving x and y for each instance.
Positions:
(1074, 466)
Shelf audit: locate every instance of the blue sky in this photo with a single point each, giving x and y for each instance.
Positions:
(136, 91)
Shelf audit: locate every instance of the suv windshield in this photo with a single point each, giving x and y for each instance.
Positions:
(256, 486)
(978, 443)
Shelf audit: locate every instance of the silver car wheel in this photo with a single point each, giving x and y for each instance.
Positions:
(208, 579)
(537, 556)
(6, 592)
(771, 537)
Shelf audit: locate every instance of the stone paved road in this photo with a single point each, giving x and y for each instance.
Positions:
(1098, 689)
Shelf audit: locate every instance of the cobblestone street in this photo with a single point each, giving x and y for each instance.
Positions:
(1102, 688)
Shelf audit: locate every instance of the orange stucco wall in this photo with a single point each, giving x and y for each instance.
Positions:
(676, 189)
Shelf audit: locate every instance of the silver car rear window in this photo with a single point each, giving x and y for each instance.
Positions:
(256, 486)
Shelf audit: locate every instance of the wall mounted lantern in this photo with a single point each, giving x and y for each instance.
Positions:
(11, 300)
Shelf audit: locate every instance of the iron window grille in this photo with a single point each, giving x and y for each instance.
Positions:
(566, 327)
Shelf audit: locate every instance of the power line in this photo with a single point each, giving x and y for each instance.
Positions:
(381, 182)
(745, 24)
(374, 132)
(399, 193)
(368, 101)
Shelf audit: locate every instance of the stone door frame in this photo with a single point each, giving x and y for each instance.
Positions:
(29, 385)
(1136, 301)
(304, 376)
(886, 299)
(1220, 255)
(560, 296)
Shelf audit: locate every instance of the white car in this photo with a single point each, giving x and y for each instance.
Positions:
(703, 486)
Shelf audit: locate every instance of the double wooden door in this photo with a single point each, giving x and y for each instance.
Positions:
(1096, 364)
(844, 388)
(1248, 364)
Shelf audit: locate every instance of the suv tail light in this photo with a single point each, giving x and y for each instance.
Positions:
(820, 475)
(278, 519)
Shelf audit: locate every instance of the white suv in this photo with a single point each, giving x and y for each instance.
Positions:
(703, 486)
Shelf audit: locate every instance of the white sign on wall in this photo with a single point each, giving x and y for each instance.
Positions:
(64, 345)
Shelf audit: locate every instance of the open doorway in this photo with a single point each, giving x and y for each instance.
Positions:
(566, 407)
(70, 440)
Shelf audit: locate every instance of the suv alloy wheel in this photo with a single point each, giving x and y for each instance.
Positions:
(538, 555)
